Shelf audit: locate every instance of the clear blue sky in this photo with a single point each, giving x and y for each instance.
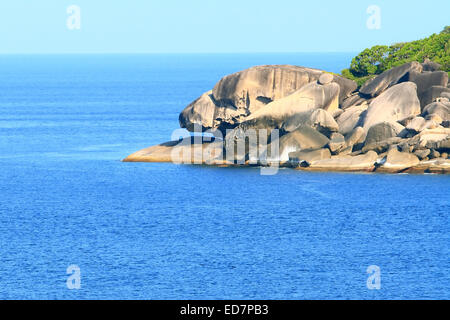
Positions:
(179, 26)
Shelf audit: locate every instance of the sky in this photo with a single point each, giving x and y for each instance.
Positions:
(212, 26)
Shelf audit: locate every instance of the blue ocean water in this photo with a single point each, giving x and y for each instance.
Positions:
(162, 231)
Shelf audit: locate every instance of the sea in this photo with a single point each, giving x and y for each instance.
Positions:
(77, 223)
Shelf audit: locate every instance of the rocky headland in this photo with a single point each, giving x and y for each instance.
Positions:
(399, 121)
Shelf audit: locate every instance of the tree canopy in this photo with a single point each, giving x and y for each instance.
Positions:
(378, 59)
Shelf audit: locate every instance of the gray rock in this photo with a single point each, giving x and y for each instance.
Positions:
(383, 131)
(441, 146)
(422, 154)
(207, 114)
(253, 88)
(187, 150)
(304, 138)
(357, 136)
(323, 122)
(309, 155)
(437, 166)
(326, 78)
(351, 118)
(293, 122)
(432, 122)
(337, 143)
(238, 96)
(383, 146)
(429, 65)
(395, 104)
(398, 161)
(363, 162)
(417, 124)
(425, 81)
(406, 121)
(200, 112)
(429, 139)
(434, 154)
(337, 113)
(241, 144)
(437, 108)
(435, 118)
(348, 150)
(388, 78)
(311, 97)
(318, 119)
(353, 100)
(405, 147)
(347, 87)
(433, 93)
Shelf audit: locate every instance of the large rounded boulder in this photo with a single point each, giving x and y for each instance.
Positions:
(425, 82)
(395, 104)
(238, 96)
(311, 97)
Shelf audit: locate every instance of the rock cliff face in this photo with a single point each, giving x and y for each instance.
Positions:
(397, 122)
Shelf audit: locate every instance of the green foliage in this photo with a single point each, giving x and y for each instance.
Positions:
(378, 59)
(369, 61)
(359, 80)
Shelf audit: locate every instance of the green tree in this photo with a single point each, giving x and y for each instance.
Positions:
(378, 59)
(369, 61)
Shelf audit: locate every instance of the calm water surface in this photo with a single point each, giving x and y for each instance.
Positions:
(161, 231)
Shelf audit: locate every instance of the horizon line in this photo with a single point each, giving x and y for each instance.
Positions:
(171, 53)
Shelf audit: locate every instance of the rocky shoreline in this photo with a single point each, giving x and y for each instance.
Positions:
(312, 120)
